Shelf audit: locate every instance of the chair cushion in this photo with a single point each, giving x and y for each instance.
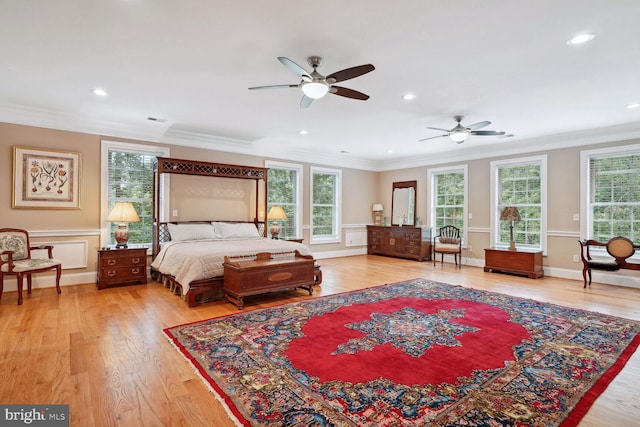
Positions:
(449, 240)
(447, 248)
(30, 264)
(16, 242)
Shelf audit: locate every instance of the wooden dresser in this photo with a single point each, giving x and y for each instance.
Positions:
(526, 262)
(121, 266)
(402, 242)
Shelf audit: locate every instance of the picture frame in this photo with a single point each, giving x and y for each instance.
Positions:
(45, 179)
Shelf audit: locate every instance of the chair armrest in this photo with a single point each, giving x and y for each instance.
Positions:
(48, 248)
(9, 255)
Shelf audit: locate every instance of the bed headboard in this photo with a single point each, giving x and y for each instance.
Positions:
(164, 236)
(165, 165)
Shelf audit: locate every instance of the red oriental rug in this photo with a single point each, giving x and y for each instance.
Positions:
(413, 353)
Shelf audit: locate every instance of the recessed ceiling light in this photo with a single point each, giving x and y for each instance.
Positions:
(581, 39)
(389, 151)
(304, 132)
(632, 106)
(100, 92)
(409, 96)
(344, 151)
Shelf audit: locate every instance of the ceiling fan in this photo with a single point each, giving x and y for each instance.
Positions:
(314, 85)
(459, 133)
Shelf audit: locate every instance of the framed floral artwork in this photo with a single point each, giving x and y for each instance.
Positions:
(45, 179)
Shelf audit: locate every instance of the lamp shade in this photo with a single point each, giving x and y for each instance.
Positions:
(276, 212)
(123, 212)
(510, 213)
(377, 207)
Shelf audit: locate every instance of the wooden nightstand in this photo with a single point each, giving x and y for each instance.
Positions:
(121, 266)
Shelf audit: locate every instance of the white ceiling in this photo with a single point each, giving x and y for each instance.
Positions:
(191, 62)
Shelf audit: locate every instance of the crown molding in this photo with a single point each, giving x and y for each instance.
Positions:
(163, 133)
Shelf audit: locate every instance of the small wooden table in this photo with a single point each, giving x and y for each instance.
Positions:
(267, 273)
(522, 261)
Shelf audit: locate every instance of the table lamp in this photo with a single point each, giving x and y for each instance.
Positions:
(122, 212)
(510, 213)
(275, 213)
(377, 213)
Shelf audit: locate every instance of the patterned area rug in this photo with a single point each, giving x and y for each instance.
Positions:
(413, 353)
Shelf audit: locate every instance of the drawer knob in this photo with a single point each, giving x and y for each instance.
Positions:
(111, 262)
(135, 270)
(111, 273)
(136, 260)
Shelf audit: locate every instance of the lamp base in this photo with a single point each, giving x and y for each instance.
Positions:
(122, 236)
(275, 230)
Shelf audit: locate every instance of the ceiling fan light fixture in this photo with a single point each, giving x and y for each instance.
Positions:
(315, 90)
(459, 136)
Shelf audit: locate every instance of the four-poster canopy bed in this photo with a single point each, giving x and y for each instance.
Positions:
(188, 256)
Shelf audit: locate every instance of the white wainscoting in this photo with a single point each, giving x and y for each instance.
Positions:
(73, 254)
(355, 238)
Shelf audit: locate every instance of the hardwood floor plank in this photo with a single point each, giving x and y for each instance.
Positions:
(104, 353)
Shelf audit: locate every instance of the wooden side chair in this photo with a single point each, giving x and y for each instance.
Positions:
(589, 264)
(15, 259)
(447, 241)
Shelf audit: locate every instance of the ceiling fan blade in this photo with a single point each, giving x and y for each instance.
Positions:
(432, 137)
(478, 125)
(348, 93)
(443, 130)
(295, 68)
(273, 87)
(305, 101)
(349, 73)
(487, 132)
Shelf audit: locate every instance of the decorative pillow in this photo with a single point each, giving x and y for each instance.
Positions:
(182, 232)
(241, 230)
(449, 240)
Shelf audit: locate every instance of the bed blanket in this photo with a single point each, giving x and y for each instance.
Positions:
(203, 259)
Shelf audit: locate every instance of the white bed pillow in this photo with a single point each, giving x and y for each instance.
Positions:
(182, 232)
(241, 230)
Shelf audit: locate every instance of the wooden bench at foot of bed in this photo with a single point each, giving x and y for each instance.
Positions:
(267, 273)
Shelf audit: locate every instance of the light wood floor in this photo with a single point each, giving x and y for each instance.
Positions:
(103, 352)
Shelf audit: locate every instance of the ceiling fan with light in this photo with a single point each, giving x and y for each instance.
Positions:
(314, 85)
(460, 133)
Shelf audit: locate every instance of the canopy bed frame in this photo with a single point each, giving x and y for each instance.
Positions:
(206, 289)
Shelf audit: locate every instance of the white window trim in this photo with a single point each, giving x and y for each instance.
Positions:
(151, 150)
(542, 160)
(299, 175)
(337, 238)
(431, 185)
(586, 229)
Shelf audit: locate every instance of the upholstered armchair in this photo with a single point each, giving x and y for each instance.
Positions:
(15, 259)
(447, 241)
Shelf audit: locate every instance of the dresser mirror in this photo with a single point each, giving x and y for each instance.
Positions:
(403, 203)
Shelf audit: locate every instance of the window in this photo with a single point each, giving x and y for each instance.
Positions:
(611, 193)
(284, 189)
(325, 205)
(127, 176)
(449, 197)
(521, 183)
